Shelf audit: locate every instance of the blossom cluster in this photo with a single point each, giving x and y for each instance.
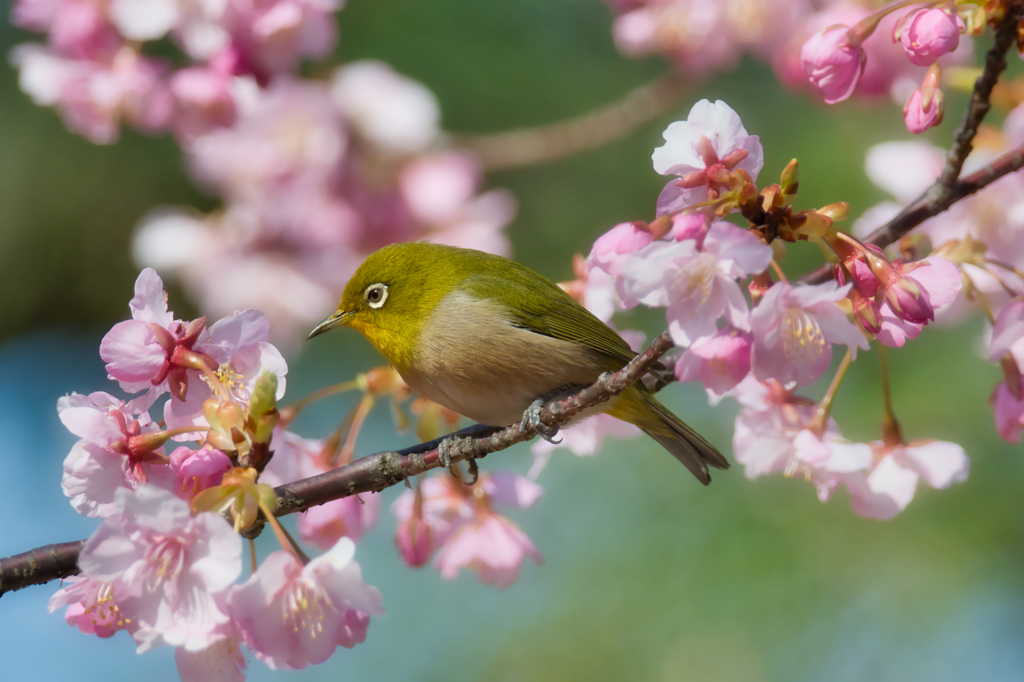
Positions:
(314, 174)
(821, 42)
(693, 262)
(165, 563)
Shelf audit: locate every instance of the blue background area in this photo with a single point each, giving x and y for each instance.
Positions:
(647, 575)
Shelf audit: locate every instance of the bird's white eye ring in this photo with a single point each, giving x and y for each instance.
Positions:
(376, 295)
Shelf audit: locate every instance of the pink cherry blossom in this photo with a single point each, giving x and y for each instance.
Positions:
(891, 483)
(275, 34)
(1008, 334)
(294, 615)
(95, 97)
(395, 113)
(91, 606)
(834, 62)
(615, 245)
(153, 349)
(203, 100)
(1009, 412)
(930, 33)
(491, 545)
(349, 517)
(719, 362)
(116, 451)
(697, 285)
(238, 346)
(923, 110)
(794, 328)
(173, 568)
(703, 150)
(583, 439)
(220, 661)
(197, 470)
(772, 437)
(939, 282)
(452, 512)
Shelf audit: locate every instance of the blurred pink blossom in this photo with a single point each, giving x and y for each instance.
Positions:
(583, 439)
(703, 150)
(463, 527)
(1009, 412)
(615, 245)
(833, 61)
(294, 615)
(347, 517)
(794, 328)
(923, 110)
(275, 34)
(222, 660)
(889, 486)
(173, 568)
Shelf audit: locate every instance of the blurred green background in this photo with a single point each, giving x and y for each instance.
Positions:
(648, 575)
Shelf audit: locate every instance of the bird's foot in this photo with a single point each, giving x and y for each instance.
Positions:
(449, 448)
(531, 419)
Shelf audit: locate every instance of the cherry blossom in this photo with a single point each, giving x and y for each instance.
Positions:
(773, 436)
(395, 113)
(833, 61)
(120, 447)
(613, 247)
(923, 110)
(794, 328)
(938, 282)
(173, 568)
(891, 483)
(930, 33)
(348, 517)
(1009, 412)
(275, 34)
(583, 439)
(703, 150)
(697, 285)
(91, 606)
(719, 362)
(197, 470)
(220, 661)
(294, 615)
(463, 527)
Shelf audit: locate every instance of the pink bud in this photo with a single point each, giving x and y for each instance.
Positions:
(923, 110)
(832, 63)
(613, 246)
(412, 537)
(909, 301)
(929, 34)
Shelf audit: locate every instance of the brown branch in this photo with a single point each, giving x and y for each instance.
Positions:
(947, 190)
(529, 146)
(371, 473)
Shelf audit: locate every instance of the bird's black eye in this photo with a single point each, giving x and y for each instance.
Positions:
(376, 294)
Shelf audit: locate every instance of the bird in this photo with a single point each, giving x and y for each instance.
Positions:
(492, 340)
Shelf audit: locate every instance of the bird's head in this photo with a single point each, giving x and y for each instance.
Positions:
(392, 294)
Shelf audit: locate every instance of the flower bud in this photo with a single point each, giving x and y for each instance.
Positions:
(909, 301)
(926, 105)
(229, 414)
(833, 62)
(790, 180)
(930, 33)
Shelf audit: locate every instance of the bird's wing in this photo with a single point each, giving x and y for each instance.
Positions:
(551, 312)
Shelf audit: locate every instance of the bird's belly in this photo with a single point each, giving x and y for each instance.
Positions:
(481, 404)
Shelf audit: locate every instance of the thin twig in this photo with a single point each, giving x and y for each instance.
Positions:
(529, 146)
(947, 190)
(371, 473)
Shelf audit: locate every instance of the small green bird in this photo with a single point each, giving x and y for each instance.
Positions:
(488, 338)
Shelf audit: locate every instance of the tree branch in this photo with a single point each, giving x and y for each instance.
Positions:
(947, 190)
(529, 146)
(371, 473)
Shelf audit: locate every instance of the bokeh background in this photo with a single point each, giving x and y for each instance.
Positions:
(648, 575)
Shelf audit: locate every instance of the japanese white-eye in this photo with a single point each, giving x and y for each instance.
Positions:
(486, 337)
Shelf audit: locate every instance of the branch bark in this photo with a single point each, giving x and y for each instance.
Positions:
(529, 146)
(947, 189)
(372, 473)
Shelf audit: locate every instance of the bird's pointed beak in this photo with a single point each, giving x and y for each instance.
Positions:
(330, 323)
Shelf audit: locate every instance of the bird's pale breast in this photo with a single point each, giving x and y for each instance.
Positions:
(472, 359)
